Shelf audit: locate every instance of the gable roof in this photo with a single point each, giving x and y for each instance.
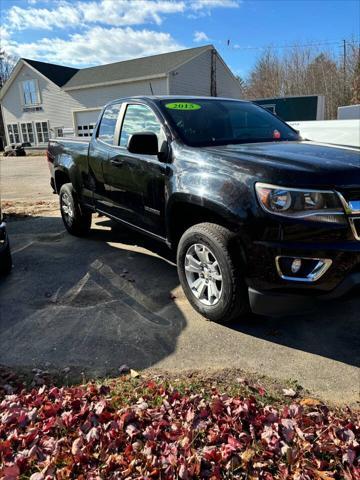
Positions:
(70, 78)
(153, 66)
(58, 74)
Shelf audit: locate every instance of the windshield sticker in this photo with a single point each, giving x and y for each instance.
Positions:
(183, 106)
(276, 135)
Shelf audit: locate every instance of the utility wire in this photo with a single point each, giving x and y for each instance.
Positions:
(236, 46)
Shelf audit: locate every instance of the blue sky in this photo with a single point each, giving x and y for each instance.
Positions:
(89, 32)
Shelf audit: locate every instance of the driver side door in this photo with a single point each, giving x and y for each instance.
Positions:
(138, 181)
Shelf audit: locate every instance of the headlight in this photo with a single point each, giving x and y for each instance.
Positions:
(297, 203)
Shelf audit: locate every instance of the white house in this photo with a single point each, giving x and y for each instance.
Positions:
(40, 98)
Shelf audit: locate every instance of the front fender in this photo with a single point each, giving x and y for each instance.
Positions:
(210, 205)
(221, 193)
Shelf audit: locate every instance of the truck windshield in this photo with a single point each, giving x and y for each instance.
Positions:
(202, 122)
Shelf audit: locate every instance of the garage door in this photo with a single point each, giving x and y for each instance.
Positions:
(85, 122)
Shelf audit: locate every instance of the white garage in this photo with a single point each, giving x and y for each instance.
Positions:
(84, 122)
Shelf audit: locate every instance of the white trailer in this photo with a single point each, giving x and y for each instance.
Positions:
(348, 112)
(338, 132)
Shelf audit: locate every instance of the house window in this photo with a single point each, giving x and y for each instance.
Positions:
(13, 131)
(59, 131)
(42, 132)
(85, 130)
(30, 92)
(27, 132)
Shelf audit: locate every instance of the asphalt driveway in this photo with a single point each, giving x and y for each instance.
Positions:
(113, 298)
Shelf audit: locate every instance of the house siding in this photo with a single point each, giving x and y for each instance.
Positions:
(194, 78)
(54, 102)
(99, 96)
(226, 84)
(59, 106)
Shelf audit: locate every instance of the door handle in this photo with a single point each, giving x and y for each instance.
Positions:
(117, 163)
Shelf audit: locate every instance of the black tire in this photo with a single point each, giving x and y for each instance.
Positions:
(233, 302)
(5, 261)
(77, 220)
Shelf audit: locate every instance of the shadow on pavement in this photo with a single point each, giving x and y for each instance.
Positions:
(84, 302)
(103, 301)
(331, 330)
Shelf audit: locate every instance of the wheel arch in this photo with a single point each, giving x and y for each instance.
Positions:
(184, 211)
(61, 176)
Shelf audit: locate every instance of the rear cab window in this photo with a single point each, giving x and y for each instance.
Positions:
(106, 131)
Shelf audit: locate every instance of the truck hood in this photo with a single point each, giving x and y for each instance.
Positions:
(319, 164)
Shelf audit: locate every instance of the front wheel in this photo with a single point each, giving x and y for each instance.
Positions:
(76, 219)
(210, 272)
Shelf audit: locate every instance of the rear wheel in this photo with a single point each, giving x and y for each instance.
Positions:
(77, 220)
(211, 274)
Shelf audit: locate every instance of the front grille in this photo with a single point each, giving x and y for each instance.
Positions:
(351, 202)
(351, 194)
(351, 198)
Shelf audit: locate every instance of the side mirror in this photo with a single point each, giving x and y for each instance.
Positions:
(145, 143)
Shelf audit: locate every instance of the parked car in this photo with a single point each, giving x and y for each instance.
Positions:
(259, 218)
(5, 255)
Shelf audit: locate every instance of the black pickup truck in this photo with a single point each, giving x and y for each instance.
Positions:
(260, 218)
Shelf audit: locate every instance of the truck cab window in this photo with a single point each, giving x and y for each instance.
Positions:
(138, 118)
(108, 123)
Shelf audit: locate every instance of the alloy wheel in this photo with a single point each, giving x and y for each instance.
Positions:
(67, 208)
(203, 274)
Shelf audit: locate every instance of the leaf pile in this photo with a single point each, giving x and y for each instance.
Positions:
(152, 431)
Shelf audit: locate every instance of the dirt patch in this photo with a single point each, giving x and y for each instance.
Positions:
(233, 381)
(23, 209)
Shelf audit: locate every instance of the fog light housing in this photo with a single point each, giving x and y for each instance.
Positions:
(300, 269)
(296, 265)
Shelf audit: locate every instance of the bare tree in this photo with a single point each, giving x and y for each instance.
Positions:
(353, 69)
(7, 63)
(308, 71)
(266, 78)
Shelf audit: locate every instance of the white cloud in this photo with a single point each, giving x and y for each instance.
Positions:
(90, 32)
(108, 12)
(80, 13)
(210, 4)
(201, 8)
(124, 12)
(4, 33)
(42, 18)
(200, 37)
(96, 46)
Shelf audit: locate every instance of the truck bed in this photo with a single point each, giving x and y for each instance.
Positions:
(64, 145)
